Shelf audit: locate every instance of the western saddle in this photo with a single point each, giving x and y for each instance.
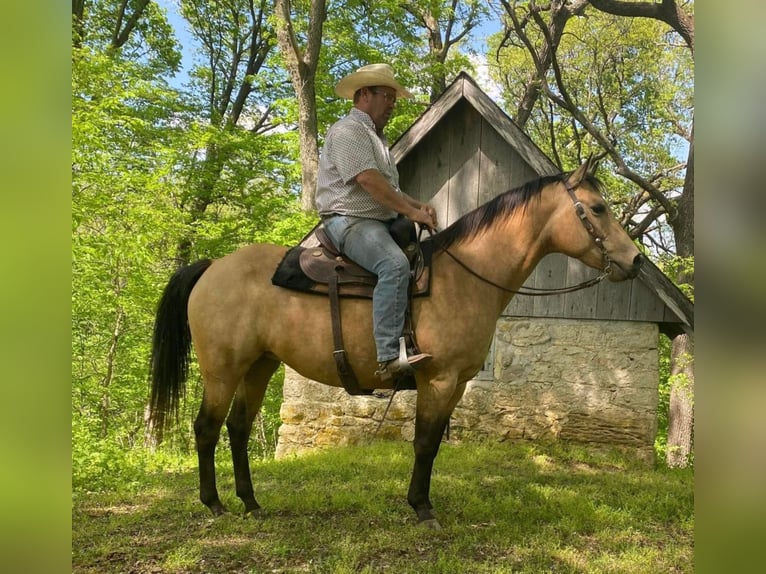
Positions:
(316, 266)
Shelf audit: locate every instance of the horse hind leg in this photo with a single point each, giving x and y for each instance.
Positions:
(207, 430)
(247, 403)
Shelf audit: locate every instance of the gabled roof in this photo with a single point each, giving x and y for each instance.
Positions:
(651, 276)
(465, 88)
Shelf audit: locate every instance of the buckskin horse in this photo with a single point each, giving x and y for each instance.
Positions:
(242, 326)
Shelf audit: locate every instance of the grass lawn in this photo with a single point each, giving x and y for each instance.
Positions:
(505, 507)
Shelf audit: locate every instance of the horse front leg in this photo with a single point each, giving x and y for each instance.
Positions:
(434, 408)
(428, 435)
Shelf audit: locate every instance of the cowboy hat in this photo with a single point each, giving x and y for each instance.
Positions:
(371, 75)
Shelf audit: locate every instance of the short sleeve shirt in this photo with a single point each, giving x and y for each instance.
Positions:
(352, 146)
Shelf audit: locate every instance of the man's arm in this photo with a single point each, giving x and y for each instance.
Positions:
(374, 183)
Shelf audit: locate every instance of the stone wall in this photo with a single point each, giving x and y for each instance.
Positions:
(584, 381)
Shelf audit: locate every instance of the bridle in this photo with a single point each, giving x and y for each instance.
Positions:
(540, 291)
(580, 209)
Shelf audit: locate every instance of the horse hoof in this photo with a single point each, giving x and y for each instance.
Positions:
(218, 510)
(430, 524)
(254, 513)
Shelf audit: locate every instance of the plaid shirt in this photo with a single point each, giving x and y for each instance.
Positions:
(352, 146)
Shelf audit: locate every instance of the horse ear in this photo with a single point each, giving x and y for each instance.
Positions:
(592, 164)
(579, 174)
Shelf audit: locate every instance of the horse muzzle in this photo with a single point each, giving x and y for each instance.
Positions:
(622, 272)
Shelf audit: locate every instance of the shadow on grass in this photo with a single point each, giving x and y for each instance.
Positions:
(504, 507)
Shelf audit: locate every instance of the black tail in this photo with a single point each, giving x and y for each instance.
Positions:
(171, 346)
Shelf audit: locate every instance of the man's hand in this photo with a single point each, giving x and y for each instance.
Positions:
(432, 214)
(424, 215)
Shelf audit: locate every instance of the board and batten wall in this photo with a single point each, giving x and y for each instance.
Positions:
(461, 164)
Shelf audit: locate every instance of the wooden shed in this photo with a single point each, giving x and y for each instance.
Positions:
(581, 366)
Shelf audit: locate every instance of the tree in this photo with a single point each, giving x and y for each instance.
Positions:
(681, 219)
(560, 13)
(132, 31)
(628, 97)
(122, 137)
(235, 42)
(302, 63)
(445, 25)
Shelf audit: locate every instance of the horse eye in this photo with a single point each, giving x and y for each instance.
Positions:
(598, 209)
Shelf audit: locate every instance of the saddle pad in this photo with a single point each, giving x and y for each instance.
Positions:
(308, 269)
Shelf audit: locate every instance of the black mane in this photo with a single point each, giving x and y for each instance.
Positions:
(480, 219)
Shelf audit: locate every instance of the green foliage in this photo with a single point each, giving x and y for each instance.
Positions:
(151, 45)
(663, 405)
(630, 81)
(122, 219)
(681, 270)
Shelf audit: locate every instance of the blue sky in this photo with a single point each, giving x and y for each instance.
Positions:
(183, 36)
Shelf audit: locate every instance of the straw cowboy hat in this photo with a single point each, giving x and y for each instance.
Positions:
(372, 75)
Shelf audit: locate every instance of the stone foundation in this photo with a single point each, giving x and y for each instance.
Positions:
(576, 380)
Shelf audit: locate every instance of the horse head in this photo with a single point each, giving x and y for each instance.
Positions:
(585, 228)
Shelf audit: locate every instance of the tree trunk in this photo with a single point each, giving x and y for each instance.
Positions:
(681, 415)
(106, 380)
(302, 64)
(210, 172)
(309, 148)
(78, 22)
(561, 12)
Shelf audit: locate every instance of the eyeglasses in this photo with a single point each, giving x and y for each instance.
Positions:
(390, 98)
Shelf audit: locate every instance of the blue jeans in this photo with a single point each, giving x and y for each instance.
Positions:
(369, 244)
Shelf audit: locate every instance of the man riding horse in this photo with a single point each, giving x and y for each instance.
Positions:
(358, 198)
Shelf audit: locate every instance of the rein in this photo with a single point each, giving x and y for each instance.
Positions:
(538, 291)
(531, 291)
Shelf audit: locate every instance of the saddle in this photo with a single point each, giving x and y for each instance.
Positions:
(316, 266)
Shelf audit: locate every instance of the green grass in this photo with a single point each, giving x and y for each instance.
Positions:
(505, 507)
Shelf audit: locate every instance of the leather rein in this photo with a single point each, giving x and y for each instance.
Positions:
(539, 291)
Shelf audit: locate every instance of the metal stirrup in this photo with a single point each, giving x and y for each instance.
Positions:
(404, 366)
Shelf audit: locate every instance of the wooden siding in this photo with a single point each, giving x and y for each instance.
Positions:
(461, 164)
(509, 131)
(426, 123)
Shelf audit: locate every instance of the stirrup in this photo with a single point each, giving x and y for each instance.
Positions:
(402, 365)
